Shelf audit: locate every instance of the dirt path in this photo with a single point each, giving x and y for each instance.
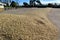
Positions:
(23, 10)
(20, 10)
(16, 11)
(54, 16)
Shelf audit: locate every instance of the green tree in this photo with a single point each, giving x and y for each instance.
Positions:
(25, 4)
(33, 2)
(38, 1)
(13, 4)
(7, 4)
(50, 5)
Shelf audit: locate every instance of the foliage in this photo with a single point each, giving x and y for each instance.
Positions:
(13, 4)
(50, 5)
(25, 4)
(7, 4)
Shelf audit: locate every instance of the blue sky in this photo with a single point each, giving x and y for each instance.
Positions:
(42, 1)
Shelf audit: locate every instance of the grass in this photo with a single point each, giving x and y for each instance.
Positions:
(33, 26)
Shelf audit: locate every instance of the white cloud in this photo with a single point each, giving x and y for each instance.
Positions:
(58, 1)
(50, 1)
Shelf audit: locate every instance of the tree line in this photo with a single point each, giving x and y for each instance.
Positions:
(32, 4)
